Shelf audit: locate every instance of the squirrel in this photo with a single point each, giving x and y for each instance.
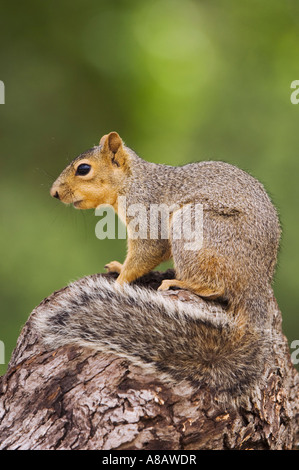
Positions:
(234, 265)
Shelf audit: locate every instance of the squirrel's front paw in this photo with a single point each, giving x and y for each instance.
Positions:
(113, 267)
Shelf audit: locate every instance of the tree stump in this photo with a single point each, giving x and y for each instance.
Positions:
(75, 398)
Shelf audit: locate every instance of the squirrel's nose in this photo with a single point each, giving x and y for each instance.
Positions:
(54, 193)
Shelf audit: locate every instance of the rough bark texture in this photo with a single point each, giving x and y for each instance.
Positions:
(74, 398)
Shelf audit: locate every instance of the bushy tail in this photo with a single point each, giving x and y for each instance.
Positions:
(182, 342)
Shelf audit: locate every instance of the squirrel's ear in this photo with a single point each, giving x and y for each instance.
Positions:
(113, 148)
(111, 142)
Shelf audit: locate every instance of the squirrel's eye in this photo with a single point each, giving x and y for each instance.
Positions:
(83, 169)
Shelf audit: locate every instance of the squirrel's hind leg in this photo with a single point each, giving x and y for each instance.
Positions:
(203, 291)
(202, 272)
(167, 283)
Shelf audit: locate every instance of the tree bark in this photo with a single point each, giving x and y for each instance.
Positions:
(75, 398)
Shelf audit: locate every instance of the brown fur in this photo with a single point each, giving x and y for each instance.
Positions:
(241, 229)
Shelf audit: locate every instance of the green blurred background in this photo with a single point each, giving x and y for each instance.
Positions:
(179, 80)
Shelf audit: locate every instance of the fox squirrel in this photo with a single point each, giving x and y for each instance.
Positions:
(234, 265)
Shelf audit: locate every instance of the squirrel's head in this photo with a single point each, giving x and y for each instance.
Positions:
(96, 176)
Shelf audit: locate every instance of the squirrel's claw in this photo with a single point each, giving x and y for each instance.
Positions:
(113, 267)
